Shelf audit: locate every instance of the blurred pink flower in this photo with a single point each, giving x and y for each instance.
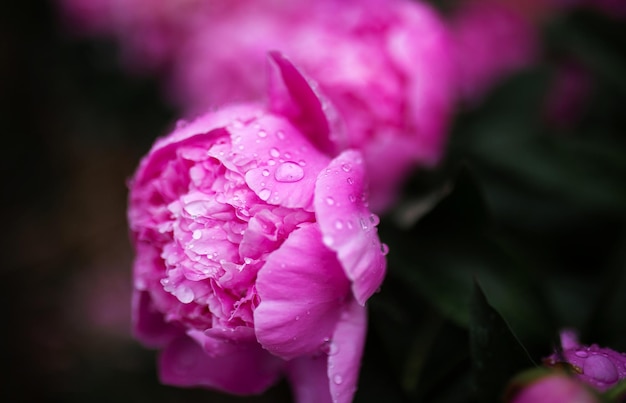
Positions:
(492, 40)
(385, 65)
(599, 367)
(568, 95)
(255, 249)
(552, 388)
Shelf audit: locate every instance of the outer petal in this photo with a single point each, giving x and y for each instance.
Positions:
(333, 378)
(148, 323)
(249, 370)
(348, 227)
(309, 379)
(291, 95)
(302, 288)
(344, 359)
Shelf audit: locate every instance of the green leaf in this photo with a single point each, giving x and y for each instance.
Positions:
(497, 355)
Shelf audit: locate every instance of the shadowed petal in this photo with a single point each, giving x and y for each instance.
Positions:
(249, 370)
(309, 379)
(302, 288)
(347, 225)
(344, 359)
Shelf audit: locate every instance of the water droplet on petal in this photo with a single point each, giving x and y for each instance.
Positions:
(346, 167)
(184, 294)
(374, 219)
(352, 198)
(328, 240)
(289, 172)
(280, 134)
(262, 133)
(349, 224)
(287, 155)
(274, 152)
(364, 223)
(302, 163)
(265, 172)
(338, 224)
(297, 317)
(337, 379)
(264, 194)
(350, 181)
(581, 354)
(330, 201)
(271, 162)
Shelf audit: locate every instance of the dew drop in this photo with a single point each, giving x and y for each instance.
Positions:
(302, 163)
(338, 379)
(264, 194)
(333, 348)
(297, 317)
(184, 294)
(352, 198)
(349, 224)
(265, 172)
(287, 155)
(247, 260)
(330, 201)
(364, 223)
(262, 133)
(338, 224)
(197, 234)
(289, 172)
(271, 163)
(346, 167)
(374, 219)
(280, 134)
(350, 181)
(274, 152)
(328, 240)
(581, 354)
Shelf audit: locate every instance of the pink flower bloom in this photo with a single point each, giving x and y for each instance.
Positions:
(555, 387)
(256, 251)
(492, 41)
(385, 65)
(599, 367)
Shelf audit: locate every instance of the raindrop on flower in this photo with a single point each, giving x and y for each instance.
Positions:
(197, 234)
(338, 379)
(346, 167)
(184, 294)
(384, 248)
(352, 198)
(280, 134)
(289, 172)
(338, 224)
(328, 240)
(330, 201)
(302, 163)
(374, 219)
(364, 223)
(271, 162)
(350, 181)
(262, 133)
(581, 354)
(274, 152)
(264, 194)
(265, 172)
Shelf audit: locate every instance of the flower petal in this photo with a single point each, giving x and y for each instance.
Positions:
(149, 325)
(249, 370)
(309, 379)
(344, 359)
(302, 288)
(279, 163)
(292, 95)
(348, 227)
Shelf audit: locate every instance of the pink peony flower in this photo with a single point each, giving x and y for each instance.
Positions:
(385, 65)
(255, 249)
(492, 40)
(599, 367)
(554, 387)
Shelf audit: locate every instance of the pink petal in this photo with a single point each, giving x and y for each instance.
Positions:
(149, 325)
(333, 378)
(291, 95)
(347, 225)
(249, 370)
(309, 379)
(344, 359)
(279, 163)
(302, 288)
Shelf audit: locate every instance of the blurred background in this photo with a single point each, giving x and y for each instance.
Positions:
(536, 213)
